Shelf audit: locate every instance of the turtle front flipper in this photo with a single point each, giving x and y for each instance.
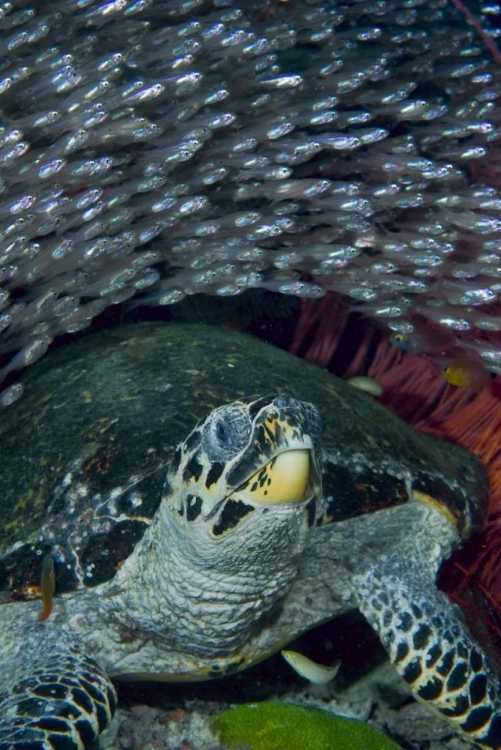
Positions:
(53, 696)
(430, 646)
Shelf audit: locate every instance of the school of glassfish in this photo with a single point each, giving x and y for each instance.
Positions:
(155, 151)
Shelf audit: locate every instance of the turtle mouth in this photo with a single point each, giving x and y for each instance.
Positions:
(290, 478)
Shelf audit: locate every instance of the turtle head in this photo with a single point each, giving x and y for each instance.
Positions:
(241, 498)
(245, 486)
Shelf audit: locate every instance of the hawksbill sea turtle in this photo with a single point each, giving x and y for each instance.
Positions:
(203, 499)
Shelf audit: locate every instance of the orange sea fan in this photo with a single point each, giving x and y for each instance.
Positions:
(416, 390)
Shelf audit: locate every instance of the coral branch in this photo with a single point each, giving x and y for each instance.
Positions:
(488, 41)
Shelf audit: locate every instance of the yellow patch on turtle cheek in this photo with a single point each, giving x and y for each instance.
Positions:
(285, 479)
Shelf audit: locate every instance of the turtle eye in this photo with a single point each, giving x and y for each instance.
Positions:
(226, 432)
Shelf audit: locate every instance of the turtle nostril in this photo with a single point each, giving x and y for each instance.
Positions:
(285, 401)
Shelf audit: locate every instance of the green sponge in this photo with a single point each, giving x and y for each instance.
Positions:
(282, 726)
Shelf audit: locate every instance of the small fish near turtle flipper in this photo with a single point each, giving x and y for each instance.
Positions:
(47, 587)
(53, 697)
(432, 649)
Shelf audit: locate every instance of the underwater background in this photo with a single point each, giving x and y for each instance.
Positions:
(323, 175)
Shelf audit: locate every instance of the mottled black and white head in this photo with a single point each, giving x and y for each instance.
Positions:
(246, 483)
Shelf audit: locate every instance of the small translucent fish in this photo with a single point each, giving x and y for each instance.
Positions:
(11, 394)
(396, 308)
(487, 322)
(466, 373)
(318, 674)
(427, 339)
(487, 352)
(366, 384)
(47, 587)
(27, 356)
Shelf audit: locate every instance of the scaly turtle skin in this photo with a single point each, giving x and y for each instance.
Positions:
(189, 546)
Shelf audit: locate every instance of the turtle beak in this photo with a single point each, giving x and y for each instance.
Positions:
(290, 477)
